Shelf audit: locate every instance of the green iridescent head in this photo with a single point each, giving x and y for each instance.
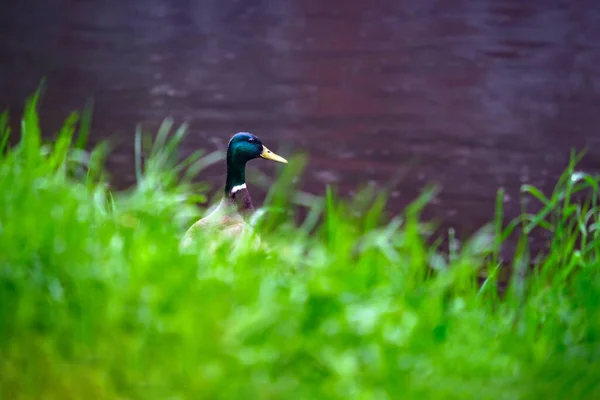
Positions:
(242, 148)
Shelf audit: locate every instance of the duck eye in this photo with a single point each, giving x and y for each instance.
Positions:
(251, 140)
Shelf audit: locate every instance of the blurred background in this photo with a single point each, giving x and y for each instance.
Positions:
(473, 95)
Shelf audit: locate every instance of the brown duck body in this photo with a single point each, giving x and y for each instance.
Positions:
(229, 217)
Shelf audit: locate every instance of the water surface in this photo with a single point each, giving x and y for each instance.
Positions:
(470, 94)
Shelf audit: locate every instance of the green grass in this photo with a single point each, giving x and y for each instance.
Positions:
(96, 302)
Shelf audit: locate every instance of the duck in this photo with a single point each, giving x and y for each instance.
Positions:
(236, 206)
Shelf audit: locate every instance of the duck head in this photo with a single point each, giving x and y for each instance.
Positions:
(242, 148)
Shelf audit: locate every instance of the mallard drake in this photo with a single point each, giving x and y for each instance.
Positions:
(236, 206)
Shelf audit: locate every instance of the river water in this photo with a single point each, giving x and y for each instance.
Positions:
(470, 94)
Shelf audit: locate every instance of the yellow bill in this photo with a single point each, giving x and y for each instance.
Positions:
(269, 155)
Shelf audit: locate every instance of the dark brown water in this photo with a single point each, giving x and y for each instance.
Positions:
(470, 94)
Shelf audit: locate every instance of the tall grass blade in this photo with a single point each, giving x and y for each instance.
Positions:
(4, 131)
(85, 125)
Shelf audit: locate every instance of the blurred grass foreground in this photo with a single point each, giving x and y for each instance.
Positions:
(97, 302)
